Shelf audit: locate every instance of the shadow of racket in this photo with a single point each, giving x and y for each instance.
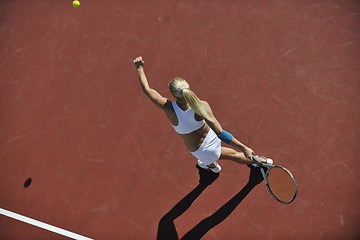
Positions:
(279, 181)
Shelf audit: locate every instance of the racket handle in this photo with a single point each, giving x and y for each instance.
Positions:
(261, 166)
(264, 175)
(255, 159)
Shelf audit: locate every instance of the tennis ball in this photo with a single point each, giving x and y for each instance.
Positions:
(76, 3)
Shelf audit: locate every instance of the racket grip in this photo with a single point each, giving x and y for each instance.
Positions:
(261, 166)
(264, 175)
(255, 159)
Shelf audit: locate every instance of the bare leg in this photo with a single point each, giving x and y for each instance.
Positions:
(233, 155)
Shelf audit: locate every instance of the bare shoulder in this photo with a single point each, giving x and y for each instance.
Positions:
(206, 106)
(211, 119)
(205, 103)
(170, 113)
(168, 106)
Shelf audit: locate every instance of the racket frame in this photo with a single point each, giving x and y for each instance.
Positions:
(265, 176)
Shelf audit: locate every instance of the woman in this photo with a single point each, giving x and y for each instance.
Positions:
(196, 124)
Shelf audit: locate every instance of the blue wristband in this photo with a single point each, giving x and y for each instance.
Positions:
(226, 137)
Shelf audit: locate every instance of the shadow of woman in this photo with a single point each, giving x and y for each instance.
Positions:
(167, 230)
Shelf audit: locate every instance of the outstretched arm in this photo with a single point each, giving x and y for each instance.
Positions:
(154, 96)
(216, 127)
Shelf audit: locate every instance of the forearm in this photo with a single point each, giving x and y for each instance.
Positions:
(143, 80)
(215, 125)
(237, 144)
(229, 139)
(224, 135)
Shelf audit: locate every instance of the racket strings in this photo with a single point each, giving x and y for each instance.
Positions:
(281, 184)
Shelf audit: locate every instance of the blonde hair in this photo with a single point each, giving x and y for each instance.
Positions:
(179, 87)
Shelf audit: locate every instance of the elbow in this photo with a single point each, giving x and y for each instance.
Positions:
(217, 130)
(215, 127)
(146, 90)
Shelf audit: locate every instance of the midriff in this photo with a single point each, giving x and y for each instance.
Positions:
(194, 139)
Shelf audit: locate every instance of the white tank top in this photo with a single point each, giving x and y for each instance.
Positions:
(186, 120)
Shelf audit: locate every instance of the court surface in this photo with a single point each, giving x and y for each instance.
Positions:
(282, 76)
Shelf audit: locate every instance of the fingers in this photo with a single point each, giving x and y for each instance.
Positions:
(249, 153)
(138, 60)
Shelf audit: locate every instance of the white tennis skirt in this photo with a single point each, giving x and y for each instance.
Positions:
(210, 149)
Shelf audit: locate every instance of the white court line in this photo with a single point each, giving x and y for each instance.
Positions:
(43, 225)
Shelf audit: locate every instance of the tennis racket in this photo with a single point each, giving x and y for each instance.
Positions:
(279, 181)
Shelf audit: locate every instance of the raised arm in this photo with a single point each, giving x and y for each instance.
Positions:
(154, 96)
(216, 127)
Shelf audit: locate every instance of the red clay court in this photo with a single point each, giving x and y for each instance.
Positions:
(105, 163)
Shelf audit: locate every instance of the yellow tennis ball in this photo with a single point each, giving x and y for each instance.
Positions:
(76, 3)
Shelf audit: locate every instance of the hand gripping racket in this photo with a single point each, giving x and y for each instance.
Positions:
(279, 181)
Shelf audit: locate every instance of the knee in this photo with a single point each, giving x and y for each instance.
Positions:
(240, 155)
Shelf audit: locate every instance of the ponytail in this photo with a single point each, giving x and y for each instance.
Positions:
(195, 103)
(180, 88)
